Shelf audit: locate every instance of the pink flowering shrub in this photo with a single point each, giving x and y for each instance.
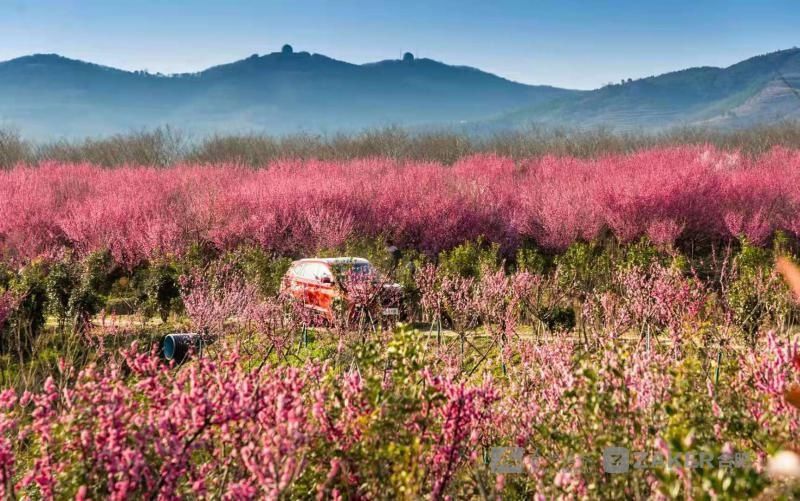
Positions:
(215, 295)
(8, 303)
(122, 437)
(465, 416)
(500, 298)
(771, 369)
(9, 428)
(276, 321)
(461, 302)
(661, 298)
(551, 363)
(429, 283)
(136, 426)
(394, 420)
(296, 206)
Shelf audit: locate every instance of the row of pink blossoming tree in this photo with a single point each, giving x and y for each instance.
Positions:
(295, 207)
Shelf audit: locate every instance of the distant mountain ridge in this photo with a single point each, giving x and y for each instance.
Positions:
(48, 96)
(759, 90)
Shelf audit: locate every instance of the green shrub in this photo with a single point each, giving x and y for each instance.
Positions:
(529, 259)
(62, 280)
(198, 255)
(77, 291)
(29, 319)
(584, 268)
(558, 318)
(755, 292)
(260, 268)
(159, 293)
(642, 254)
(470, 258)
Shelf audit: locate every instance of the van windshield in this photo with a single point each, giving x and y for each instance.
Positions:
(360, 269)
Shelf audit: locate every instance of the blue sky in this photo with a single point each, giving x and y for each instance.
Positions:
(576, 44)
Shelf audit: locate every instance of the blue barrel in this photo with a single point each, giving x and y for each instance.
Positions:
(177, 346)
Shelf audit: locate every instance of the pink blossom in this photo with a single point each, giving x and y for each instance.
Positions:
(297, 206)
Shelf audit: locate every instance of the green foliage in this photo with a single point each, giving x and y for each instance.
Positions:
(372, 249)
(558, 318)
(29, 319)
(747, 305)
(261, 268)
(752, 258)
(62, 280)
(84, 304)
(99, 272)
(681, 263)
(755, 292)
(77, 291)
(159, 291)
(470, 259)
(198, 255)
(528, 258)
(7, 276)
(584, 267)
(642, 254)
(690, 434)
(781, 243)
(405, 276)
(387, 449)
(123, 297)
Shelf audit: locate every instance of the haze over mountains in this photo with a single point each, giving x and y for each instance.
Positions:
(759, 90)
(46, 96)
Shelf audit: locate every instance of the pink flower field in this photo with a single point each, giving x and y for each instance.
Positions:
(556, 312)
(670, 195)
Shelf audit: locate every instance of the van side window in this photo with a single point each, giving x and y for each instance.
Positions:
(303, 271)
(325, 272)
(316, 271)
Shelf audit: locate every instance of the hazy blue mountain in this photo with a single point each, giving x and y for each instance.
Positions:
(47, 96)
(758, 90)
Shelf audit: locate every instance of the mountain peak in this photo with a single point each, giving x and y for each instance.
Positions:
(285, 60)
(38, 58)
(53, 62)
(49, 95)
